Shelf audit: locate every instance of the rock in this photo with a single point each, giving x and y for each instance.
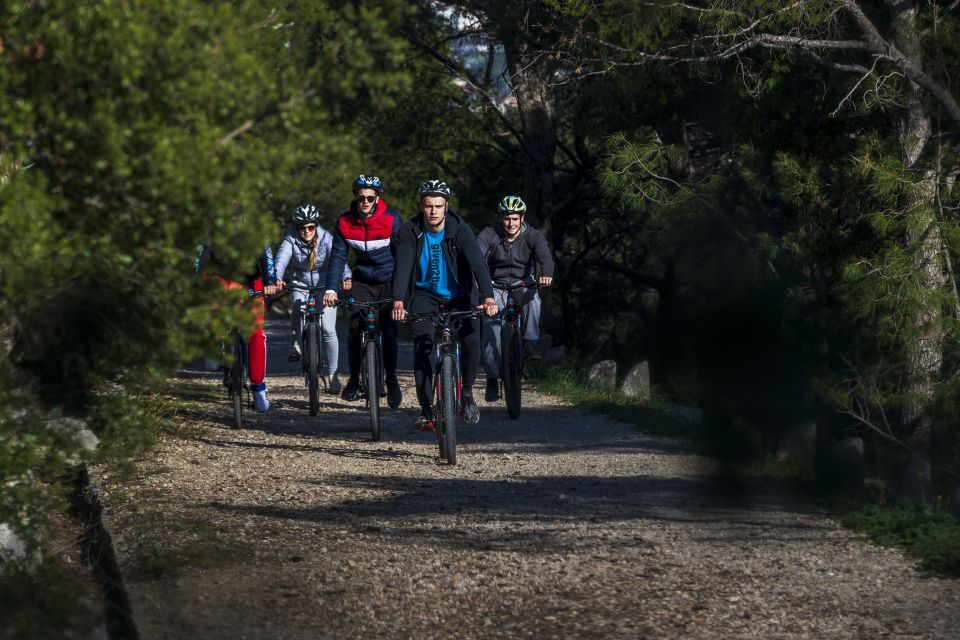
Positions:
(604, 373)
(77, 430)
(690, 415)
(12, 546)
(799, 444)
(555, 354)
(637, 382)
(913, 483)
(846, 468)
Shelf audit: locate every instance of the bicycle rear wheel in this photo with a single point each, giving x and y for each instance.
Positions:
(371, 383)
(311, 345)
(236, 382)
(510, 358)
(448, 408)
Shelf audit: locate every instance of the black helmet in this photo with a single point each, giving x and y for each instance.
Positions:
(305, 213)
(435, 188)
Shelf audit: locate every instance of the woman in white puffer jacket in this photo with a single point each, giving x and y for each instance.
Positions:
(306, 250)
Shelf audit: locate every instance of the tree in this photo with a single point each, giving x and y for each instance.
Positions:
(129, 131)
(894, 57)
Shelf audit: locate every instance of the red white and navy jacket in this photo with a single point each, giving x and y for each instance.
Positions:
(370, 240)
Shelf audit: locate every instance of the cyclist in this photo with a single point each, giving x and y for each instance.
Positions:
(439, 262)
(306, 249)
(262, 278)
(514, 251)
(367, 227)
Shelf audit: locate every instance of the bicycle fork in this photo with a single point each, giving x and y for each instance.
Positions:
(439, 351)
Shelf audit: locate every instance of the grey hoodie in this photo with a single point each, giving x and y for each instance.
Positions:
(512, 261)
(295, 253)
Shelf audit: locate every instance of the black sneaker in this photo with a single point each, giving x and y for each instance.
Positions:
(352, 391)
(471, 412)
(531, 351)
(492, 393)
(394, 395)
(334, 386)
(294, 353)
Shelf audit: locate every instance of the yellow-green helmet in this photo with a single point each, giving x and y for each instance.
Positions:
(512, 204)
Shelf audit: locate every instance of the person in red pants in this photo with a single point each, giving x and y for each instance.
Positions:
(264, 279)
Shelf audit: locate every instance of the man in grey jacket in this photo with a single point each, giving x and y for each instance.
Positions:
(514, 251)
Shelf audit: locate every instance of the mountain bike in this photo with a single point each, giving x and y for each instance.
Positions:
(314, 358)
(511, 346)
(447, 378)
(235, 379)
(235, 376)
(371, 359)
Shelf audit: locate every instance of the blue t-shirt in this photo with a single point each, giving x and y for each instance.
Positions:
(434, 274)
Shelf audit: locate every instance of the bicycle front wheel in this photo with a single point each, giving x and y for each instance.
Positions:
(448, 408)
(510, 358)
(371, 382)
(236, 383)
(311, 345)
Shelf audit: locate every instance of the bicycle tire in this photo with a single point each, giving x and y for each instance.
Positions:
(448, 408)
(311, 345)
(371, 383)
(236, 383)
(322, 364)
(510, 354)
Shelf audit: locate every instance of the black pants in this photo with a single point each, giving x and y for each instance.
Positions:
(469, 332)
(366, 292)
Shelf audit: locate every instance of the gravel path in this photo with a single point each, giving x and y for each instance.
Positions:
(562, 524)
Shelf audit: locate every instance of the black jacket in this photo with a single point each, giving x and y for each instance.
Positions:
(512, 261)
(460, 248)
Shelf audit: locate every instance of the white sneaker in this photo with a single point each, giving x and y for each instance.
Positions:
(260, 401)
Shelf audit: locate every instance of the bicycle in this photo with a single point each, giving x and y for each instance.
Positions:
(447, 379)
(511, 346)
(314, 360)
(235, 377)
(371, 359)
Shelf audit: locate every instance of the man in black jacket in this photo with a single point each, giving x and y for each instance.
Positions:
(514, 251)
(437, 261)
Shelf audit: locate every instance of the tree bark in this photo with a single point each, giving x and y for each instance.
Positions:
(924, 241)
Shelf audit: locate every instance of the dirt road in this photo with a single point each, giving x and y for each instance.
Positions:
(562, 524)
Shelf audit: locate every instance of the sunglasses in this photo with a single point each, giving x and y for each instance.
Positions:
(307, 227)
(362, 199)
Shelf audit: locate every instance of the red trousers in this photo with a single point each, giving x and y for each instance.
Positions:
(257, 343)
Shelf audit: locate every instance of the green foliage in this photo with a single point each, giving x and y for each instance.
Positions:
(45, 603)
(931, 535)
(131, 132)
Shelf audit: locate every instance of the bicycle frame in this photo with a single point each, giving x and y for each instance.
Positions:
(371, 327)
(311, 315)
(446, 322)
(513, 314)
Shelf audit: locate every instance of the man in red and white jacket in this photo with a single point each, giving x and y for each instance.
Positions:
(367, 228)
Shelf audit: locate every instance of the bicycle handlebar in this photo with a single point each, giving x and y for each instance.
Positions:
(519, 284)
(440, 318)
(372, 304)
